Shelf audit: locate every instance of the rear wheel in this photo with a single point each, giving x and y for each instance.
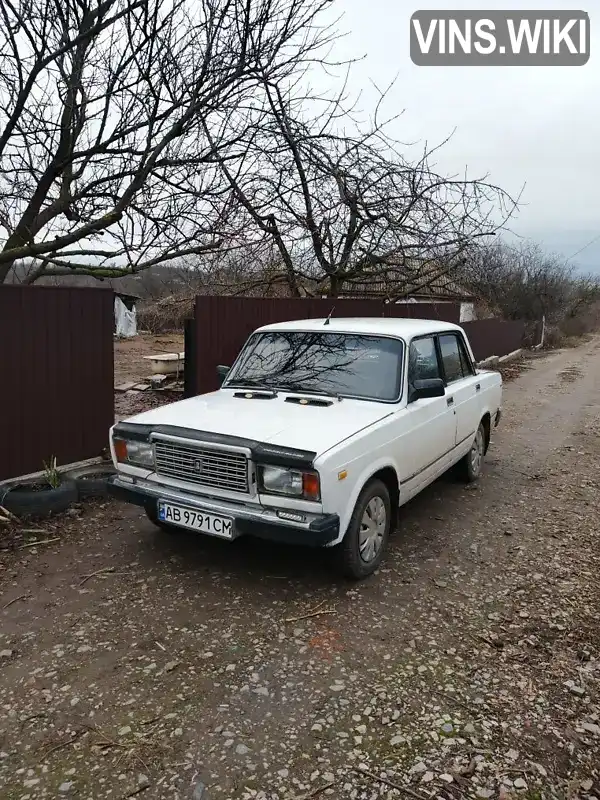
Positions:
(363, 547)
(472, 463)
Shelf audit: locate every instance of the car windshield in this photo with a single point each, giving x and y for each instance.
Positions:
(339, 364)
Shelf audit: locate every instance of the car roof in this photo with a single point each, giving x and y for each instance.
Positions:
(383, 326)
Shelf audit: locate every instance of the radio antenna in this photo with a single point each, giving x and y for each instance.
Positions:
(329, 315)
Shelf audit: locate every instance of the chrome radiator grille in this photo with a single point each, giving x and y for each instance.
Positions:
(220, 469)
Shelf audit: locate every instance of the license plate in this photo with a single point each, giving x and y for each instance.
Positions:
(201, 521)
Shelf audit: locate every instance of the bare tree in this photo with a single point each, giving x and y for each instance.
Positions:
(343, 205)
(105, 164)
(521, 281)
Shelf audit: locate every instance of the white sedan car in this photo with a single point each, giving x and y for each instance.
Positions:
(320, 431)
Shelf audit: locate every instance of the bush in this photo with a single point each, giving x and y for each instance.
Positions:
(523, 283)
(167, 315)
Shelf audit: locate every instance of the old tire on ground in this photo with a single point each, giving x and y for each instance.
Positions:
(363, 547)
(92, 481)
(24, 502)
(470, 465)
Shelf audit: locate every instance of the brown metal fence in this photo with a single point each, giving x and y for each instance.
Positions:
(222, 324)
(56, 375)
(494, 337)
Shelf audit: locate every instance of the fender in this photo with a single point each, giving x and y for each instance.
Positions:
(368, 471)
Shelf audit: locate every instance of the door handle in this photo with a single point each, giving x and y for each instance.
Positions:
(478, 387)
(449, 401)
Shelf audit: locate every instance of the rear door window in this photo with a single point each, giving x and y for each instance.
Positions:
(465, 361)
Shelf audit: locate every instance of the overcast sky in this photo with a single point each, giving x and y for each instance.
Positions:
(522, 125)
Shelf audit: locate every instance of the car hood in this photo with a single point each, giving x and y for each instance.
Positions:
(305, 427)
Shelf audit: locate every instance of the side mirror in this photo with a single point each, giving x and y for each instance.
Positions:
(222, 372)
(428, 387)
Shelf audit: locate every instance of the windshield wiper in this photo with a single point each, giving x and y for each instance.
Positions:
(298, 389)
(250, 384)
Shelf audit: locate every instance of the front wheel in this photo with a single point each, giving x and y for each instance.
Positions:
(363, 547)
(472, 463)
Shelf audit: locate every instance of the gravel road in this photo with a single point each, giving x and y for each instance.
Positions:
(137, 663)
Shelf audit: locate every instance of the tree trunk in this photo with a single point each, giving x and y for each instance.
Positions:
(335, 286)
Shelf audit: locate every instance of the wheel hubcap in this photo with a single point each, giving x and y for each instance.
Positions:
(477, 452)
(372, 529)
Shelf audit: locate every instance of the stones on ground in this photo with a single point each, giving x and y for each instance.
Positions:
(171, 665)
(66, 787)
(418, 767)
(143, 781)
(575, 689)
(427, 777)
(507, 703)
(7, 653)
(199, 792)
(589, 727)
(242, 750)
(520, 783)
(124, 730)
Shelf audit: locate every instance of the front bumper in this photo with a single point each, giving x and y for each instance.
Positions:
(318, 530)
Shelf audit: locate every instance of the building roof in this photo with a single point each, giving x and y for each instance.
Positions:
(415, 282)
(382, 326)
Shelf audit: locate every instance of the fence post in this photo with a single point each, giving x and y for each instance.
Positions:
(543, 330)
(190, 386)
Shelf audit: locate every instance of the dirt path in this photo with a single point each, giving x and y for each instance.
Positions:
(469, 667)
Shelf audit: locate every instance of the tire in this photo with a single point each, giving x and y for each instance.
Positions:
(92, 481)
(471, 464)
(372, 501)
(24, 503)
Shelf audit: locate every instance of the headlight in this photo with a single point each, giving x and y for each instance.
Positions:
(140, 454)
(290, 482)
